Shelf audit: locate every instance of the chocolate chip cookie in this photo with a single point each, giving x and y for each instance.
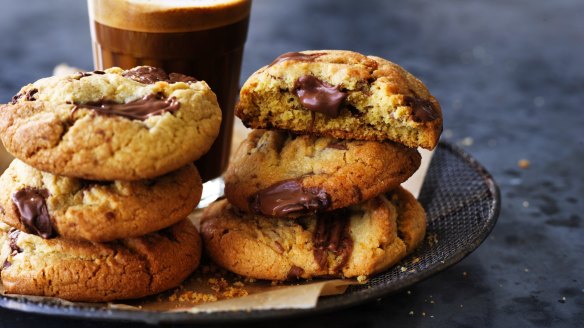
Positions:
(94, 272)
(357, 241)
(112, 125)
(48, 205)
(279, 174)
(341, 94)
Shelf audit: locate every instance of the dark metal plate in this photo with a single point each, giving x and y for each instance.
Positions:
(462, 202)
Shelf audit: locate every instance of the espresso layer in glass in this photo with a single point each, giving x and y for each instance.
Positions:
(213, 55)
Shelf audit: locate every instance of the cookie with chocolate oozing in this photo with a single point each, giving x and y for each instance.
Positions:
(341, 94)
(98, 272)
(111, 125)
(357, 241)
(51, 206)
(278, 174)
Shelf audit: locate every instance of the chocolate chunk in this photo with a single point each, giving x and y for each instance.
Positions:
(6, 265)
(295, 56)
(295, 272)
(15, 98)
(150, 75)
(33, 211)
(422, 110)
(332, 234)
(146, 74)
(319, 96)
(289, 197)
(81, 75)
(141, 109)
(177, 77)
(354, 111)
(28, 95)
(12, 239)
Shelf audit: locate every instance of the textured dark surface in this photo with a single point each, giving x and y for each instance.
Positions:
(462, 205)
(510, 78)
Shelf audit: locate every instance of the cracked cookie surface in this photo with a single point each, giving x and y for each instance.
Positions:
(98, 272)
(97, 211)
(341, 94)
(358, 241)
(278, 174)
(112, 125)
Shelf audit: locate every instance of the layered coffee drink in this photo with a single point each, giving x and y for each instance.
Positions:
(199, 38)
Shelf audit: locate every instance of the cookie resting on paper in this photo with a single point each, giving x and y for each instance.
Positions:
(98, 272)
(358, 241)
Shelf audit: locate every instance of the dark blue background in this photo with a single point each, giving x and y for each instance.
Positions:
(510, 78)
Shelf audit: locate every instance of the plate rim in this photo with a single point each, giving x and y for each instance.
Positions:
(74, 311)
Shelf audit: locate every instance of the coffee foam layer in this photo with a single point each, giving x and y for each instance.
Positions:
(168, 15)
(181, 3)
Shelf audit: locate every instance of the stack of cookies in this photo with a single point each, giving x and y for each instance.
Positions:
(315, 190)
(94, 206)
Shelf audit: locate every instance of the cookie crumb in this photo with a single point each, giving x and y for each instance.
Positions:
(468, 141)
(525, 204)
(217, 284)
(362, 279)
(232, 292)
(432, 239)
(523, 163)
(192, 297)
(403, 269)
(411, 313)
(197, 297)
(562, 300)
